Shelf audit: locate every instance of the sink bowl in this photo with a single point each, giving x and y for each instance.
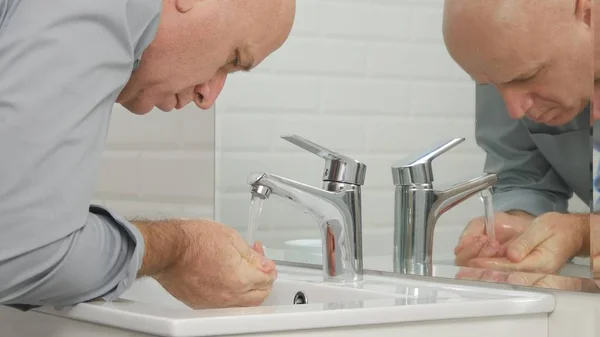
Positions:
(291, 292)
(285, 292)
(300, 301)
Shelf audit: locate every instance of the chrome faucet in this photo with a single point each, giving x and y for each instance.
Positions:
(418, 206)
(336, 207)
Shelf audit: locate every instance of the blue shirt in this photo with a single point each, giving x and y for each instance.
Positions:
(62, 65)
(539, 167)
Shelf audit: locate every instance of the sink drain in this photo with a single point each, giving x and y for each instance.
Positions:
(300, 298)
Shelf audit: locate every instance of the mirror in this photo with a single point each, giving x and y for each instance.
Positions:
(384, 92)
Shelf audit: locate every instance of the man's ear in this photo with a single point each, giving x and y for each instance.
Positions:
(583, 11)
(184, 5)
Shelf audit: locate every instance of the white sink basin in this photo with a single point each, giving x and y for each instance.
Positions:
(291, 292)
(285, 292)
(148, 308)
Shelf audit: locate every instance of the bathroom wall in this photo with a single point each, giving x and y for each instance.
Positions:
(159, 165)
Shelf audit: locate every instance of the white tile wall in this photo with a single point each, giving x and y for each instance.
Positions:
(159, 165)
(370, 79)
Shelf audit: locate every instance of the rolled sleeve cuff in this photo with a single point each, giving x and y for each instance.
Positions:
(530, 201)
(128, 274)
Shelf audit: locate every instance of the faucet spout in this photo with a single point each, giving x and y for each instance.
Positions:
(456, 194)
(335, 208)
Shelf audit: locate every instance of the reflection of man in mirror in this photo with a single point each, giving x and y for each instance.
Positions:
(533, 64)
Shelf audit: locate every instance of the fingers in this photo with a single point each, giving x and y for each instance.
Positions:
(535, 263)
(259, 248)
(495, 276)
(258, 260)
(524, 279)
(256, 278)
(470, 274)
(493, 263)
(474, 228)
(254, 297)
(487, 275)
(464, 242)
(479, 247)
(523, 245)
(253, 255)
(258, 272)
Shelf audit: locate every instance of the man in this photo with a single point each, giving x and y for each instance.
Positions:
(63, 65)
(532, 61)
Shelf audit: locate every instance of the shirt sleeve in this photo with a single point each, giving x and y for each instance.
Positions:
(526, 181)
(63, 63)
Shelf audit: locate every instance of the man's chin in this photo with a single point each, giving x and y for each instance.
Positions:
(562, 118)
(138, 109)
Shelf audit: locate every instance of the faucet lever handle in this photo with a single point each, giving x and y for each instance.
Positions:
(338, 167)
(417, 169)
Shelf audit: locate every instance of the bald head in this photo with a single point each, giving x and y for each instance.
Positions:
(200, 42)
(536, 52)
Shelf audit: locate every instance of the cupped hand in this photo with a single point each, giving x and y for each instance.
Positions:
(218, 269)
(544, 247)
(474, 243)
(595, 246)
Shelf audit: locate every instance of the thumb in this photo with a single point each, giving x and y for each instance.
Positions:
(259, 247)
(474, 228)
(528, 241)
(524, 279)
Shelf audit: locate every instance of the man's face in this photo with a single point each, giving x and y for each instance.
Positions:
(198, 43)
(538, 54)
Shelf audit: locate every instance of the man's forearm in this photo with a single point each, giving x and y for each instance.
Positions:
(165, 242)
(97, 261)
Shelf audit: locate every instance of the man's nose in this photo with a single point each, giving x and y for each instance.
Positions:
(207, 93)
(517, 102)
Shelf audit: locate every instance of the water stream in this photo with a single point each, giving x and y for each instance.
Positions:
(486, 198)
(256, 205)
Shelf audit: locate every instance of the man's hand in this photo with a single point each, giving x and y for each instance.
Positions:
(545, 246)
(473, 242)
(205, 264)
(595, 246)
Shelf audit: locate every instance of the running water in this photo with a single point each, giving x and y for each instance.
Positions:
(256, 205)
(486, 198)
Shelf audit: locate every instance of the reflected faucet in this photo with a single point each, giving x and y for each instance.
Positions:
(418, 206)
(336, 207)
